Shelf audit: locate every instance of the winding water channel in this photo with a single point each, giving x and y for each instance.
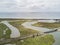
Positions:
(55, 34)
(14, 31)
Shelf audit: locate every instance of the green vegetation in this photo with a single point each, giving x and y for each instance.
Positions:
(8, 32)
(2, 28)
(46, 40)
(47, 25)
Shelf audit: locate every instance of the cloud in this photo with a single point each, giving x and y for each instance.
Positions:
(29, 5)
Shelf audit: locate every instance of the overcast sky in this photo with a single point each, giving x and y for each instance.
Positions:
(29, 5)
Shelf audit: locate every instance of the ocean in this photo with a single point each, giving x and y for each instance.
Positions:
(35, 15)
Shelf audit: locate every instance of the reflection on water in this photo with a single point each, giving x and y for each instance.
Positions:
(57, 38)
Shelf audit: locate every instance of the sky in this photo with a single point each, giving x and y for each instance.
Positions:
(29, 5)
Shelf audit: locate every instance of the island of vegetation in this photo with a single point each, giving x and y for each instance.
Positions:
(47, 25)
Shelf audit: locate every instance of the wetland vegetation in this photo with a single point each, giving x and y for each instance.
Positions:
(45, 40)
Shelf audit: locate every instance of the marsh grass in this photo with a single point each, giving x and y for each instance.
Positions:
(46, 40)
(47, 25)
(2, 28)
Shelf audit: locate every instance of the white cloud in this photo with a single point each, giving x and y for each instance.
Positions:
(29, 5)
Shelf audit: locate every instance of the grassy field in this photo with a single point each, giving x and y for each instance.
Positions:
(8, 32)
(47, 25)
(46, 40)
